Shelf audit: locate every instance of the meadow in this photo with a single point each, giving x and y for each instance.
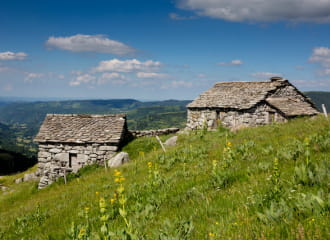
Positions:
(269, 182)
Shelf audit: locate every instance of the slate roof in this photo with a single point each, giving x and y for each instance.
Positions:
(239, 95)
(246, 94)
(291, 107)
(82, 128)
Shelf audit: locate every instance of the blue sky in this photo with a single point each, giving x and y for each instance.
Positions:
(159, 49)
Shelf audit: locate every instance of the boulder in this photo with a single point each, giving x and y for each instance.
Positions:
(18, 180)
(119, 159)
(29, 176)
(171, 141)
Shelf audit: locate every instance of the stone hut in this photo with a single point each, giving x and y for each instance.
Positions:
(67, 142)
(249, 103)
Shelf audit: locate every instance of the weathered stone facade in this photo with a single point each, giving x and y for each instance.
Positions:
(68, 142)
(54, 160)
(230, 118)
(239, 104)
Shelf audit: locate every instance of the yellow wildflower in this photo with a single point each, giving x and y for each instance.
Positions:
(117, 173)
(112, 200)
(211, 234)
(82, 233)
(149, 164)
(228, 144)
(96, 193)
(216, 223)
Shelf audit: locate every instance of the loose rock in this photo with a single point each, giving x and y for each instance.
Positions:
(119, 159)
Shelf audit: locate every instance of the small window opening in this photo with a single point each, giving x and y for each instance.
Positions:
(72, 159)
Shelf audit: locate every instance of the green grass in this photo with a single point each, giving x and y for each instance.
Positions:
(204, 188)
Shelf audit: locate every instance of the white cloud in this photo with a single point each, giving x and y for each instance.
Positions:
(175, 16)
(132, 65)
(235, 62)
(266, 75)
(30, 76)
(151, 75)
(261, 10)
(83, 78)
(12, 56)
(321, 55)
(90, 43)
(114, 78)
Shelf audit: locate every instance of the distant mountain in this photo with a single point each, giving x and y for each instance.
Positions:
(21, 120)
(320, 98)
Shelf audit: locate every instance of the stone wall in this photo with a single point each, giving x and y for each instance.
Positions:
(55, 159)
(152, 133)
(211, 118)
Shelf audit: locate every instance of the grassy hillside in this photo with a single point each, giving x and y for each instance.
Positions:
(270, 182)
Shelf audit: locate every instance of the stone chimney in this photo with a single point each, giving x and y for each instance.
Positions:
(273, 79)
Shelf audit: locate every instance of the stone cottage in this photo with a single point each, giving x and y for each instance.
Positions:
(249, 103)
(68, 142)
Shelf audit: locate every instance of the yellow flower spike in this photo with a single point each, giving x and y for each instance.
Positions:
(112, 200)
(117, 173)
(149, 164)
(228, 144)
(117, 180)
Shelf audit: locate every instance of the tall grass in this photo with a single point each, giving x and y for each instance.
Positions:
(270, 182)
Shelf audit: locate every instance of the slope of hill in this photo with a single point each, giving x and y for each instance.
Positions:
(320, 98)
(270, 182)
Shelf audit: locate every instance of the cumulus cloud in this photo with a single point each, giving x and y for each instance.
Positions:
(266, 75)
(12, 56)
(83, 78)
(235, 62)
(114, 78)
(30, 76)
(131, 65)
(90, 43)
(321, 55)
(261, 10)
(151, 75)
